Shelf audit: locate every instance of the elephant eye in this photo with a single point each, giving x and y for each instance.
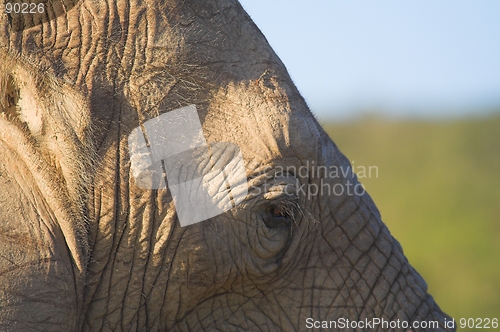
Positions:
(279, 211)
(279, 214)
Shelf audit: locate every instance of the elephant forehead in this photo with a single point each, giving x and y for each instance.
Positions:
(107, 32)
(147, 44)
(168, 53)
(266, 118)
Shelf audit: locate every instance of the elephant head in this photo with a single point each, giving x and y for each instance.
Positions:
(85, 245)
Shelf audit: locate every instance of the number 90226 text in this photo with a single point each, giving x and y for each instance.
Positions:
(24, 8)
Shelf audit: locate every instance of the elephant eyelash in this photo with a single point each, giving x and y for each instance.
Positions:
(292, 211)
(282, 210)
(282, 213)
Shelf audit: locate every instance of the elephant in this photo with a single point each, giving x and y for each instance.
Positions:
(85, 245)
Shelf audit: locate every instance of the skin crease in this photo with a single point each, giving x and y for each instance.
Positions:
(83, 248)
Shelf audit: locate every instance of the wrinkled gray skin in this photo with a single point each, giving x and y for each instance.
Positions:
(83, 248)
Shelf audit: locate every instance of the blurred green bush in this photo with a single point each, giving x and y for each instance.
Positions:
(438, 190)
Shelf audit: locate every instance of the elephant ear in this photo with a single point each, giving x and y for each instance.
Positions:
(52, 118)
(45, 122)
(40, 106)
(19, 98)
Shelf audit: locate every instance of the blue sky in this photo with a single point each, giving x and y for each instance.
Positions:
(425, 58)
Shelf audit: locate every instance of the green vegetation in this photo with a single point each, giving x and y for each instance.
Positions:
(438, 190)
